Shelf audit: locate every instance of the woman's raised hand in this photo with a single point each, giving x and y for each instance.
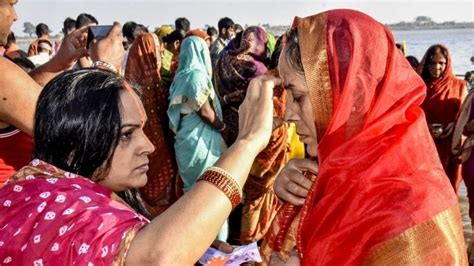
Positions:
(109, 48)
(291, 185)
(256, 112)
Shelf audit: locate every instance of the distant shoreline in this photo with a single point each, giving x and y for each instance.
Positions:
(401, 26)
(412, 26)
(278, 30)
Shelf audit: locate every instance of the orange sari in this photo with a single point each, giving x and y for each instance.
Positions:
(260, 202)
(380, 196)
(143, 68)
(442, 105)
(33, 48)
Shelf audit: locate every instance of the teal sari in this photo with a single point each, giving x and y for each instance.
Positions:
(197, 144)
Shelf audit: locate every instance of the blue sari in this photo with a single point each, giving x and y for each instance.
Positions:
(197, 144)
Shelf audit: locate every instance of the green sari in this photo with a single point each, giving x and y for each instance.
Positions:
(197, 144)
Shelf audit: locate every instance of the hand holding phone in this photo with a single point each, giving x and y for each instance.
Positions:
(97, 32)
(108, 47)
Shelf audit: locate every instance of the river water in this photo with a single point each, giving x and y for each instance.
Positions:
(460, 43)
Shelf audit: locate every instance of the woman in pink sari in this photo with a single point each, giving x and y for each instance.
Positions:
(76, 203)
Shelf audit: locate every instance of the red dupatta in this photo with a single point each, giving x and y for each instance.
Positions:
(143, 68)
(442, 105)
(381, 195)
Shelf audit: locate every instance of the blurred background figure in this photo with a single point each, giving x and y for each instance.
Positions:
(445, 93)
(45, 50)
(413, 61)
(12, 50)
(42, 32)
(69, 25)
(182, 24)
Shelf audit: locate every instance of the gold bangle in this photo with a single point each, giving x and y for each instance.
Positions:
(104, 65)
(226, 174)
(225, 182)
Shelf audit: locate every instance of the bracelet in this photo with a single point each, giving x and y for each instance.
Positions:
(224, 99)
(227, 174)
(104, 65)
(225, 182)
(222, 128)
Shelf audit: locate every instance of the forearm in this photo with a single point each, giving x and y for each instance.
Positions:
(208, 115)
(46, 72)
(18, 97)
(188, 227)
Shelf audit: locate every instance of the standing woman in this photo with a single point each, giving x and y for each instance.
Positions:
(195, 113)
(238, 63)
(465, 126)
(143, 68)
(376, 199)
(71, 206)
(444, 97)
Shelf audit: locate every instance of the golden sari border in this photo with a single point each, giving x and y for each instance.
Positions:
(121, 255)
(312, 40)
(438, 241)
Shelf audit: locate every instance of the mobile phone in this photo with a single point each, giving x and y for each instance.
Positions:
(96, 32)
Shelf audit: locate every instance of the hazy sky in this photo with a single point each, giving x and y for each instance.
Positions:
(276, 12)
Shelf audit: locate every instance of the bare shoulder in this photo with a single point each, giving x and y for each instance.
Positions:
(18, 96)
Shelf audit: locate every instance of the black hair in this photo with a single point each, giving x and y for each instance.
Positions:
(292, 50)
(141, 28)
(11, 38)
(128, 29)
(78, 121)
(68, 24)
(238, 28)
(430, 53)
(85, 19)
(413, 61)
(42, 29)
(225, 23)
(176, 35)
(468, 75)
(211, 31)
(182, 24)
(24, 62)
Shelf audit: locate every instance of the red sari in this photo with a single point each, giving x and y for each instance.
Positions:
(52, 217)
(380, 196)
(143, 68)
(442, 105)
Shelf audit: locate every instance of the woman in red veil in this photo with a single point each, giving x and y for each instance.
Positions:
(381, 195)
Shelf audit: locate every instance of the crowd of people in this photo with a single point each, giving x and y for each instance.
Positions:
(325, 145)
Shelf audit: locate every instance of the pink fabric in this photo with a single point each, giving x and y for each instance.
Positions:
(58, 218)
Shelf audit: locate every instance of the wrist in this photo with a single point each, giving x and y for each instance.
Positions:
(249, 147)
(57, 64)
(104, 65)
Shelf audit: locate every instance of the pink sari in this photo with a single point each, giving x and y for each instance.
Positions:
(48, 216)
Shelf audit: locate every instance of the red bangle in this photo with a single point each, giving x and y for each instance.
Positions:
(225, 182)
